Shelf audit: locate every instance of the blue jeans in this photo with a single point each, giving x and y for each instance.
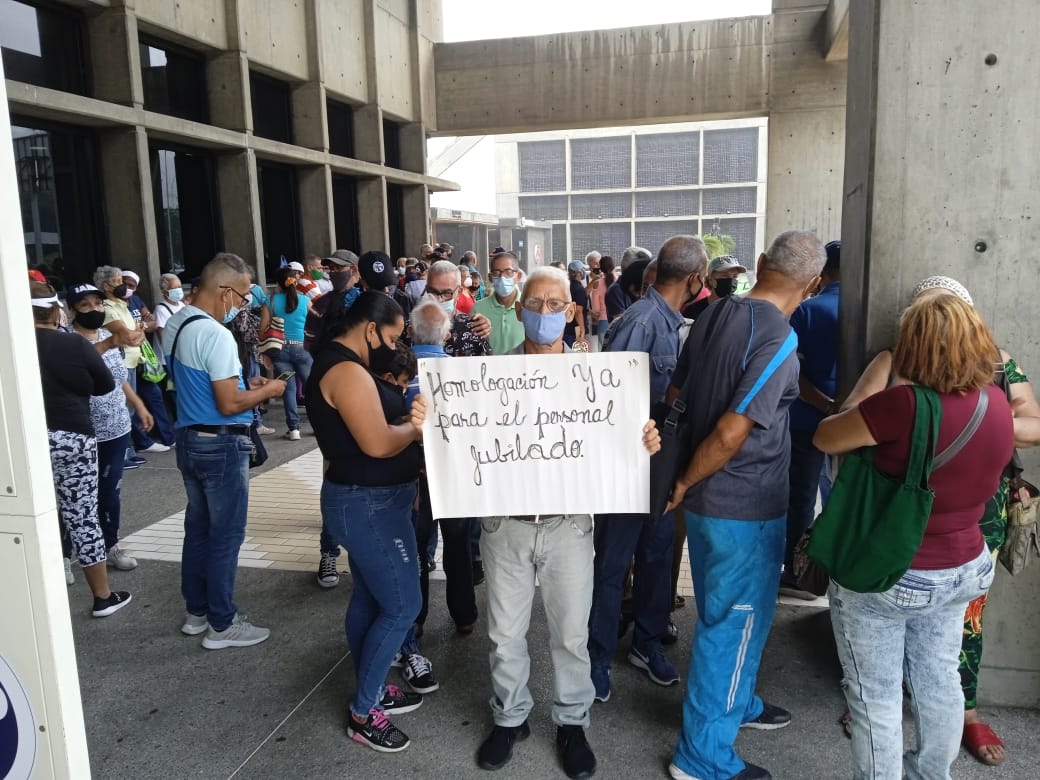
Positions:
(736, 575)
(111, 459)
(215, 469)
(804, 476)
(617, 538)
(140, 437)
(374, 526)
(152, 395)
(293, 357)
(911, 632)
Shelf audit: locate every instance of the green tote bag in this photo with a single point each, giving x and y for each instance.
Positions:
(873, 524)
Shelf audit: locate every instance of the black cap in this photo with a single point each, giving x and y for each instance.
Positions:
(78, 292)
(833, 249)
(377, 270)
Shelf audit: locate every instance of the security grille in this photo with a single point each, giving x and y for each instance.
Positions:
(609, 238)
(652, 234)
(668, 203)
(604, 206)
(543, 166)
(544, 207)
(601, 163)
(667, 159)
(730, 155)
(559, 243)
(736, 200)
(743, 232)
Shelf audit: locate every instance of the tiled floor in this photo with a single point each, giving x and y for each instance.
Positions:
(284, 527)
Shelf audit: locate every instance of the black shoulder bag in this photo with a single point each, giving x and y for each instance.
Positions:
(673, 422)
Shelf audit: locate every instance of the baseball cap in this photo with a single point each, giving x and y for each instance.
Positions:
(377, 270)
(37, 276)
(725, 263)
(78, 292)
(833, 249)
(577, 265)
(296, 266)
(343, 256)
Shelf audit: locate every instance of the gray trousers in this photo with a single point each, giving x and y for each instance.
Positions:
(558, 551)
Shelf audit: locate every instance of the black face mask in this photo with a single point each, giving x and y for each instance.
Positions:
(380, 358)
(120, 291)
(339, 280)
(725, 287)
(90, 320)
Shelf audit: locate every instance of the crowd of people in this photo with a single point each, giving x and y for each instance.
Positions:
(754, 376)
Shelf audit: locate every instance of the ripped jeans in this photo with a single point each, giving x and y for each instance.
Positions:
(374, 526)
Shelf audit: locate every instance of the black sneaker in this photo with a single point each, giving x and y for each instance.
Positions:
(418, 673)
(378, 733)
(575, 754)
(116, 600)
(772, 718)
(752, 772)
(671, 634)
(497, 749)
(395, 701)
(478, 572)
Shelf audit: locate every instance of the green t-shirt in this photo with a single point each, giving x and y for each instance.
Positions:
(506, 329)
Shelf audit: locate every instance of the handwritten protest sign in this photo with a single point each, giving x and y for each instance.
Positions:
(536, 434)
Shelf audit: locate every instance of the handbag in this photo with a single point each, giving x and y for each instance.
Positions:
(151, 367)
(258, 457)
(676, 447)
(873, 525)
(1022, 538)
(274, 337)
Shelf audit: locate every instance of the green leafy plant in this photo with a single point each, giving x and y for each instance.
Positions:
(718, 244)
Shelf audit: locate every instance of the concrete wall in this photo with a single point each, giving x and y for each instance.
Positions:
(942, 155)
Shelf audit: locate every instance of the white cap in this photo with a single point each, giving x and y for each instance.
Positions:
(296, 266)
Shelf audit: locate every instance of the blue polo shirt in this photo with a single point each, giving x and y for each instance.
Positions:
(649, 325)
(206, 353)
(816, 323)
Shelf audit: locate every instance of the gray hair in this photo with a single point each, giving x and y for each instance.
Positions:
(223, 269)
(430, 324)
(105, 272)
(470, 255)
(166, 280)
(679, 257)
(551, 274)
(632, 254)
(593, 255)
(797, 255)
(445, 267)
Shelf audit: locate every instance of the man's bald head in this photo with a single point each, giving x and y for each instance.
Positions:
(680, 257)
(223, 270)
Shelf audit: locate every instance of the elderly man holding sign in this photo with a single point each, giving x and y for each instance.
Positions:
(538, 416)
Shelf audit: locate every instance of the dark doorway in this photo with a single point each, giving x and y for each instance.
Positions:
(279, 215)
(345, 213)
(395, 220)
(186, 213)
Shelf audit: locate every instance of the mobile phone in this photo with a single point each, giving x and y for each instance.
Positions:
(285, 376)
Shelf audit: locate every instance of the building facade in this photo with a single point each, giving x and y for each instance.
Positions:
(151, 134)
(605, 190)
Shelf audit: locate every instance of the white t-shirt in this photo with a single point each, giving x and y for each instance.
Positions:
(165, 310)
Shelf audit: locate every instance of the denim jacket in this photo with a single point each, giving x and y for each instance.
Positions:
(649, 325)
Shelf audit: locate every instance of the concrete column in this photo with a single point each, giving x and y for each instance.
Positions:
(129, 203)
(317, 221)
(803, 180)
(240, 207)
(416, 217)
(368, 134)
(940, 178)
(413, 147)
(227, 81)
(373, 227)
(310, 119)
(115, 57)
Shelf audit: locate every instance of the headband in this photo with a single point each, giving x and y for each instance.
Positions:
(45, 303)
(944, 283)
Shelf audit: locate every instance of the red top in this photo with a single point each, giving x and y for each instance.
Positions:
(962, 486)
(464, 303)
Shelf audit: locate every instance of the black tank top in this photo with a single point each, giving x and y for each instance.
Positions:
(348, 464)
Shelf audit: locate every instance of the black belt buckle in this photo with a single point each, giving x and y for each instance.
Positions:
(222, 430)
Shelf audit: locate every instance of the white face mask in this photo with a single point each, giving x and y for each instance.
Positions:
(467, 282)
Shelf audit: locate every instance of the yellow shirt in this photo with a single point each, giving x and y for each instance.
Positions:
(119, 311)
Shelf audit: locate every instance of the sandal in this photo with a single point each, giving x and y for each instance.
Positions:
(846, 723)
(977, 736)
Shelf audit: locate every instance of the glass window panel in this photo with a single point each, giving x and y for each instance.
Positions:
(608, 238)
(272, 108)
(543, 166)
(730, 155)
(341, 128)
(732, 200)
(279, 215)
(601, 163)
(559, 243)
(391, 144)
(651, 235)
(743, 232)
(604, 206)
(543, 207)
(43, 46)
(174, 81)
(667, 159)
(186, 213)
(345, 212)
(668, 203)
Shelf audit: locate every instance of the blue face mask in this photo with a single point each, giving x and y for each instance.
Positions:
(503, 286)
(231, 315)
(176, 294)
(543, 328)
(448, 306)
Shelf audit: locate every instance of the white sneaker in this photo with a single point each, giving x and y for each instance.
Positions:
(69, 579)
(194, 624)
(156, 447)
(677, 774)
(240, 633)
(263, 430)
(120, 560)
(293, 435)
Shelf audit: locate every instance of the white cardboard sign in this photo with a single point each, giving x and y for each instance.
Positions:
(536, 434)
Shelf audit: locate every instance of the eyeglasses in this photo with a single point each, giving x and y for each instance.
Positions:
(509, 273)
(442, 295)
(245, 298)
(555, 305)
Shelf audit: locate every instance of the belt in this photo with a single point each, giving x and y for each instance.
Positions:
(536, 519)
(290, 341)
(224, 430)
